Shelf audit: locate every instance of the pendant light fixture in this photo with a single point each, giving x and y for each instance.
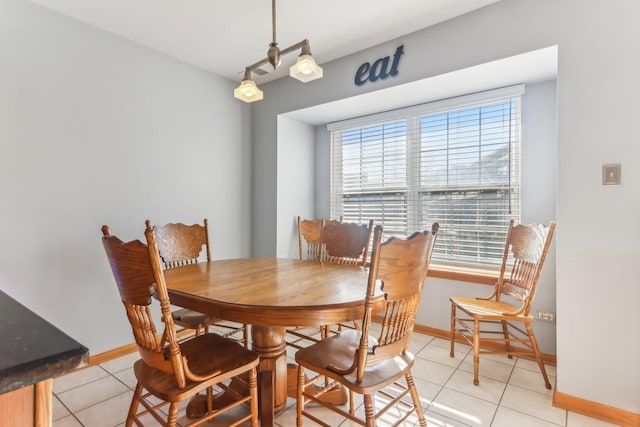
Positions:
(305, 69)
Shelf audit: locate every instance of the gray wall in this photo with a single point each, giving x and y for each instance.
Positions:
(295, 182)
(598, 236)
(95, 129)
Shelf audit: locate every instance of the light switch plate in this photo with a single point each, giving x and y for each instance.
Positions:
(611, 174)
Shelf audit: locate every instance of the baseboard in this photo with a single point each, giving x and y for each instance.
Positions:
(548, 359)
(111, 354)
(123, 351)
(596, 410)
(440, 333)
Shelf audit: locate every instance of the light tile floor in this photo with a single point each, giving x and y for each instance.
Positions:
(511, 393)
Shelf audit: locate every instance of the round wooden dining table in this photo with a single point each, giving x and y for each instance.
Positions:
(271, 294)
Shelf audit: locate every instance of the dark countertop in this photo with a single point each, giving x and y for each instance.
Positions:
(32, 349)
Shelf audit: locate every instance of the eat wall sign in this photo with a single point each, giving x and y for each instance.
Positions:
(380, 68)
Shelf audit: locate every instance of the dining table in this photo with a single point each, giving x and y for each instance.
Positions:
(271, 294)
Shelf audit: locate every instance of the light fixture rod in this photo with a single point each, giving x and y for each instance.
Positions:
(299, 45)
(273, 21)
(304, 45)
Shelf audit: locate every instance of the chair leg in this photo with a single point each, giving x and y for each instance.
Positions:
(300, 398)
(534, 345)
(253, 391)
(172, 417)
(209, 400)
(368, 411)
(325, 331)
(476, 350)
(505, 332)
(352, 405)
(133, 408)
(416, 399)
(453, 329)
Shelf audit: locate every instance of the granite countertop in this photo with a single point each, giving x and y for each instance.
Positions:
(32, 349)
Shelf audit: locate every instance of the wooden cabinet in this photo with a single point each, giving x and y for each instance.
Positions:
(27, 406)
(33, 353)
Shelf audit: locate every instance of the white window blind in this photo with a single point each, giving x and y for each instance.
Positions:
(455, 162)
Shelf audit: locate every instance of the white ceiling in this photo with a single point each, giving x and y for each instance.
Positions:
(226, 36)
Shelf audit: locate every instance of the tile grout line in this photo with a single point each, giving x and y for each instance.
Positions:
(504, 390)
(68, 410)
(96, 403)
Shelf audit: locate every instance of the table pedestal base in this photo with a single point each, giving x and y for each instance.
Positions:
(269, 343)
(276, 379)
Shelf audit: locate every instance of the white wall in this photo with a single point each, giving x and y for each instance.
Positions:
(598, 235)
(296, 174)
(95, 129)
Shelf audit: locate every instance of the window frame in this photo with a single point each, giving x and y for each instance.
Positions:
(478, 272)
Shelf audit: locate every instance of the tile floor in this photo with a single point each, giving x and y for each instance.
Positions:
(511, 393)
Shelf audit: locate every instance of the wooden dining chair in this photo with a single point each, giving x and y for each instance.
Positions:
(179, 245)
(309, 239)
(168, 370)
(500, 323)
(310, 242)
(345, 243)
(370, 365)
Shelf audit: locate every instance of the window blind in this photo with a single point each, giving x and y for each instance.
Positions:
(455, 162)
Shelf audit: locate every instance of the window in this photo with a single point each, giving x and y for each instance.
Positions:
(455, 162)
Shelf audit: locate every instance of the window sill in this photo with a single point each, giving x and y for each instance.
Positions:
(463, 275)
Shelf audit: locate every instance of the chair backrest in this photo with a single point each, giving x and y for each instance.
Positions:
(524, 256)
(309, 238)
(346, 242)
(398, 267)
(181, 244)
(138, 274)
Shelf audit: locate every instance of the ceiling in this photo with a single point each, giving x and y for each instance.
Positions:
(226, 36)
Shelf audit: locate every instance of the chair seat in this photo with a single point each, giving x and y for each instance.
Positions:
(206, 354)
(488, 309)
(192, 319)
(338, 350)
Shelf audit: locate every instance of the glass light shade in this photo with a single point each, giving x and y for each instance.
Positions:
(248, 91)
(305, 69)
